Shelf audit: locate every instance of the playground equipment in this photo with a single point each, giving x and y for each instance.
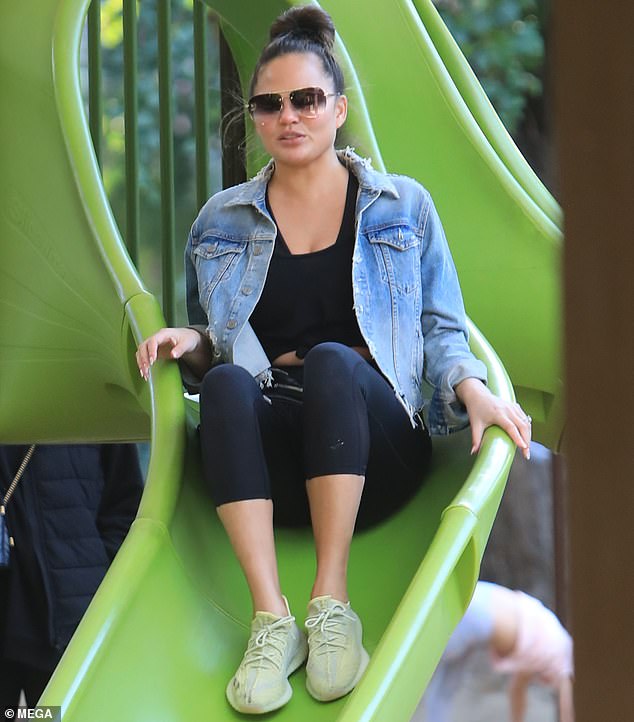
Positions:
(168, 625)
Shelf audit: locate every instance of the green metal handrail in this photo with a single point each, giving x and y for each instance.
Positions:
(202, 19)
(201, 84)
(95, 110)
(130, 92)
(166, 129)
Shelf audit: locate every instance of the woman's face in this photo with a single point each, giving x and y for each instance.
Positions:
(290, 138)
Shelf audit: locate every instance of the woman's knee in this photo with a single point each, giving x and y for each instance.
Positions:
(330, 359)
(333, 376)
(227, 384)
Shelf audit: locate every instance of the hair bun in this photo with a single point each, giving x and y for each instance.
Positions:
(305, 21)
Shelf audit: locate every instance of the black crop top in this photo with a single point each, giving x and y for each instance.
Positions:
(307, 297)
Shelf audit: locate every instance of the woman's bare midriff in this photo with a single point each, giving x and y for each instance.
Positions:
(290, 358)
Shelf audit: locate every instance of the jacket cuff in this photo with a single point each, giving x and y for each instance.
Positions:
(191, 381)
(447, 413)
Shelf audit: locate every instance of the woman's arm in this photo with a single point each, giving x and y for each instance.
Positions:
(189, 345)
(448, 358)
(485, 409)
(450, 365)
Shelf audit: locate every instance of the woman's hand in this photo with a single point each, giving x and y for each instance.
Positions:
(168, 343)
(485, 409)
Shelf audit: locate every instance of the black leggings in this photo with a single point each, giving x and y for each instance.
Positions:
(349, 422)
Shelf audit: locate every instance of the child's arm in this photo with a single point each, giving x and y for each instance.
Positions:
(566, 705)
(517, 694)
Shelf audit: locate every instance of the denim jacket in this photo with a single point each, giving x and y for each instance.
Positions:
(406, 294)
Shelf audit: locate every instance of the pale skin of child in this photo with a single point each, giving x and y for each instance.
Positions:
(308, 179)
(503, 641)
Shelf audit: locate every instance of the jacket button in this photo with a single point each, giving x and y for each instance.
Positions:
(257, 250)
(232, 323)
(246, 290)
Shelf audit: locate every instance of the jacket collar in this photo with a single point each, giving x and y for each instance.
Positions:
(253, 192)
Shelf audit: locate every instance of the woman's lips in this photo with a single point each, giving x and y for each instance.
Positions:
(291, 138)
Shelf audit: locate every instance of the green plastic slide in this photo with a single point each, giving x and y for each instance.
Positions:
(168, 625)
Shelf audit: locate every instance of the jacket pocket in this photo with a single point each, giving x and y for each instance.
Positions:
(215, 260)
(397, 252)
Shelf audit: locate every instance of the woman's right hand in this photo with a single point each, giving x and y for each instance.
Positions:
(168, 343)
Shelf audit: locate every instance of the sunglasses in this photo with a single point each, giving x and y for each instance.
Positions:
(308, 102)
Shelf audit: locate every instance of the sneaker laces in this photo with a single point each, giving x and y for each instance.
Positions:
(266, 649)
(326, 628)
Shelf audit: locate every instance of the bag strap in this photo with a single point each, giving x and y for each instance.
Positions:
(18, 475)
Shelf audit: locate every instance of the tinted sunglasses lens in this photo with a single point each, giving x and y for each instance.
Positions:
(308, 101)
(265, 104)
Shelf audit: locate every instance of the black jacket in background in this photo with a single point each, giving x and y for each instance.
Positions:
(69, 514)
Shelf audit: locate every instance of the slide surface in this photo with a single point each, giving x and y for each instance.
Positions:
(168, 625)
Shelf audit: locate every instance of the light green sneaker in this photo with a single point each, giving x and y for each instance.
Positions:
(276, 648)
(336, 657)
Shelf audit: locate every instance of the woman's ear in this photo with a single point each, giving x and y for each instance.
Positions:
(341, 110)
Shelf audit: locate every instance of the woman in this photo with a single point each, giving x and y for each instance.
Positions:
(340, 279)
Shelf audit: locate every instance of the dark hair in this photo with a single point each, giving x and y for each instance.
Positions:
(302, 29)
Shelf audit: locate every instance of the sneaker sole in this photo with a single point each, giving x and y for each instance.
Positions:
(295, 664)
(365, 658)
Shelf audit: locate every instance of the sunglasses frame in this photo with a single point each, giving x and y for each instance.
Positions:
(320, 95)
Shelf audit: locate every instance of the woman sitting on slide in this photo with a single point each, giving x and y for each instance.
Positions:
(320, 294)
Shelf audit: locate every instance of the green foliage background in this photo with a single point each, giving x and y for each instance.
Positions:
(503, 42)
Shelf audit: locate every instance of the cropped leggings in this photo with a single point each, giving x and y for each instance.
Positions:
(349, 422)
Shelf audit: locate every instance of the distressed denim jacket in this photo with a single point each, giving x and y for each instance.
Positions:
(406, 294)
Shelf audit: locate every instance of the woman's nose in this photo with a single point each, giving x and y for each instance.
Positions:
(288, 112)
